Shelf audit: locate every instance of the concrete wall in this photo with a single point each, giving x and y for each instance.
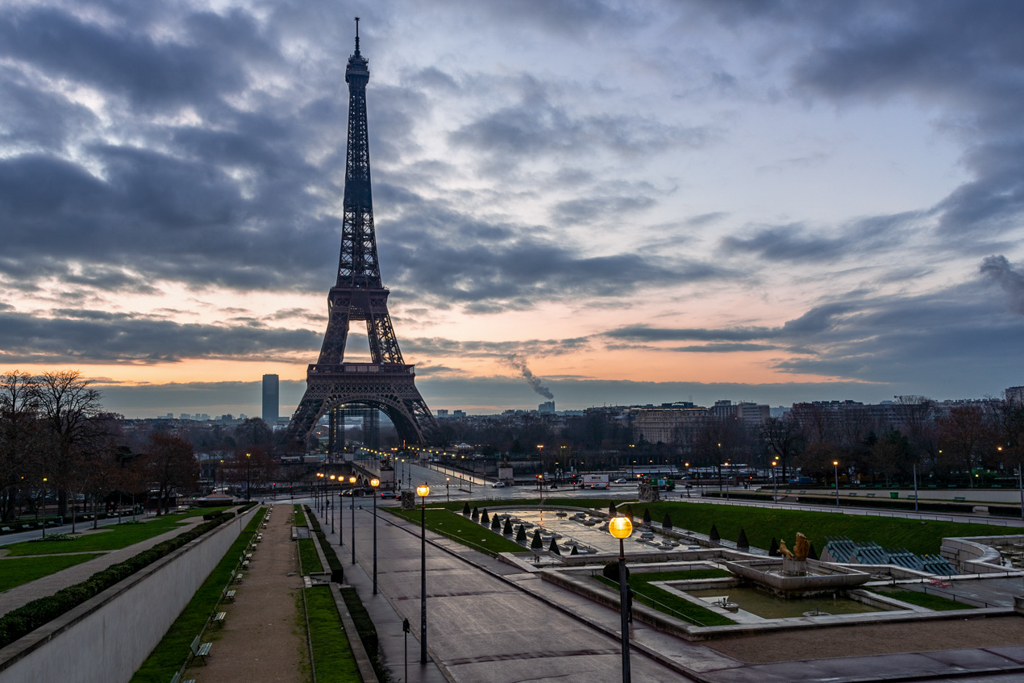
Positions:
(106, 639)
(974, 556)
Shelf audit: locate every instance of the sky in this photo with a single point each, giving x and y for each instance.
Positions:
(637, 201)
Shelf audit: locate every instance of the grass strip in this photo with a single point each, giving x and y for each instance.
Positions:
(22, 570)
(168, 656)
(332, 654)
(462, 529)
(366, 630)
(111, 537)
(309, 560)
(668, 603)
(300, 516)
(935, 602)
(923, 537)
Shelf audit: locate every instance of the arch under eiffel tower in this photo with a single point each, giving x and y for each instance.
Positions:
(386, 382)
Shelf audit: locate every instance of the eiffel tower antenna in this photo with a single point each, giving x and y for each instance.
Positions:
(386, 383)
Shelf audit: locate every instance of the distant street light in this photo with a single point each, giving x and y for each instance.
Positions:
(352, 481)
(331, 494)
(835, 464)
(375, 483)
(775, 484)
(621, 528)
(423, 491)
(248, 463)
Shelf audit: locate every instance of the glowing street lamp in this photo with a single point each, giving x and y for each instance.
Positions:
(423, 491)
(352, 481)
(375, 483)
(621, 528)
(329, 492)
(775, 483)
(835, 464)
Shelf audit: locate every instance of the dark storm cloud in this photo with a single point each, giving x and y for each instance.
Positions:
(130, 63)
(74, 336)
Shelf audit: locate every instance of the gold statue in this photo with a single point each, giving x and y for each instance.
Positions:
(802, 548)
(784, 551)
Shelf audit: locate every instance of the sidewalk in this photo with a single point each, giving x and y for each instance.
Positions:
(264, 636)
(48, 585)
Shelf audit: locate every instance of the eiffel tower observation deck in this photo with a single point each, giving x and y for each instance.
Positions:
(386, 382)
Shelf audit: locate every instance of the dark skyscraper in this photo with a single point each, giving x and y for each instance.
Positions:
(271, 399)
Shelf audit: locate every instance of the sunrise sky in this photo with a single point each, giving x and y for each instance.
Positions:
(645, 200)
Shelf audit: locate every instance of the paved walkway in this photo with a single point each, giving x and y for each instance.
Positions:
(48, 585)
(264, 635)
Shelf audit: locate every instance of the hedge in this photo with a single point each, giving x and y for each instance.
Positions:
(23, 620)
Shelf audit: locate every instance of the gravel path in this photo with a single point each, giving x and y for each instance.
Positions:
(48, 585)
(262, 639)
(879, 639)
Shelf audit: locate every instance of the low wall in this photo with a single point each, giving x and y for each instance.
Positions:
(973, 555)
(106, 639)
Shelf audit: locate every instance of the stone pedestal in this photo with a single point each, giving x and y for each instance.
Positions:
(649, 493)
(794, 567)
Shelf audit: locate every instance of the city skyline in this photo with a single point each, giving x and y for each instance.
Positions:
(777, 203)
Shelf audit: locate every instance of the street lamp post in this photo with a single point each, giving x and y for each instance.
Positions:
(621, 528)
(447, 492)
(423, 492)
(914, 469)
(835, 464)
(775, 484)
(375, 483)
(332, 501)
(248, 463)
(352, 480)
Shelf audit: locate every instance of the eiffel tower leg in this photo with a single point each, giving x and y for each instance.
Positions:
(302, 422)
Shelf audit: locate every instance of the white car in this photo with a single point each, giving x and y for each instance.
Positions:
(498, 485)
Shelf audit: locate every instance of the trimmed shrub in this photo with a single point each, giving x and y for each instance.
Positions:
(508, 528)
(476, 514)
(575, 551)
(465, 508)
(611, 571)
(554, 547)
(667, 522)
(521, 534)
(495, 524)
(612, 510)
(536, 543)
(713, 536)
(647, 517)
(811, 554)
(773, 549)
(366, 630)
(742, 541)
(484, 518)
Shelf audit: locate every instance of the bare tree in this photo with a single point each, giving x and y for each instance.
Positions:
(22, 440)
(964, 438)
(172, 465)
(783, 436)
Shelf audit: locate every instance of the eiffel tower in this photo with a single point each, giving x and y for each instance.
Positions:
(386, 382)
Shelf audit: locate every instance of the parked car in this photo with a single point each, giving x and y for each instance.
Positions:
(389, 494)
(619, 481)
(498, 485)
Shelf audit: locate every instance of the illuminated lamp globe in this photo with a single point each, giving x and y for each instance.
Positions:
(333, 477)
(620, 527)
(423, 491)
(375, 482)
(351, 480)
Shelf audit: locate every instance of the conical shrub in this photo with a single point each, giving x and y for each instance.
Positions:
(496, 523)
(575, 551)
(647, 517)
(508, 528)
(811, 554)
(485, 518)
(554, 547)
(742, 543)
(536, 543)
(714, 534)
(465, 508)
(667, 522)
(612, 510)
(521, 534)
(773, 549)
(476, 514)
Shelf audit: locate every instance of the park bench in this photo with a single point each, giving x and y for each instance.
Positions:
(176, 678)
(248, 556)
(228, 595)
(198, 650)
(871, 495)
(959, 499)
(5, 529)
(218, 618)
(238, 577)
(912, 496)
(245, 564)
(802, 492)
(852, 493)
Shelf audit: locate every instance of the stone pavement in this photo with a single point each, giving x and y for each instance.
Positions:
(48, 585)
(488, 621)
(263, 637)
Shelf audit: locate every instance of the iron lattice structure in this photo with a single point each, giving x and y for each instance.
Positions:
(386, 382)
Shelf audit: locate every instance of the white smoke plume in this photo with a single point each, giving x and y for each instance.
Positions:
(519, 363)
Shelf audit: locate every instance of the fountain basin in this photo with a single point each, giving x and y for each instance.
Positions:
(818, 578)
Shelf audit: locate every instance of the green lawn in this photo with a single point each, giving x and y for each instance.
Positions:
(169, 656)
(308, 556)
(462, 529)
(113, 537)
(761, 524)
(920, 599)
(300, 516)
(332, 655)
(671, 604)
(16, 572)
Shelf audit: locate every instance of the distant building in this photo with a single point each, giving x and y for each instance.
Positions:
(1015, 394)
(441, 413)
(458, 413)
(546, 408)
(668, 425)
(271, 399)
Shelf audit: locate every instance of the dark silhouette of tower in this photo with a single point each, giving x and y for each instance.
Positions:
(386, 382)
